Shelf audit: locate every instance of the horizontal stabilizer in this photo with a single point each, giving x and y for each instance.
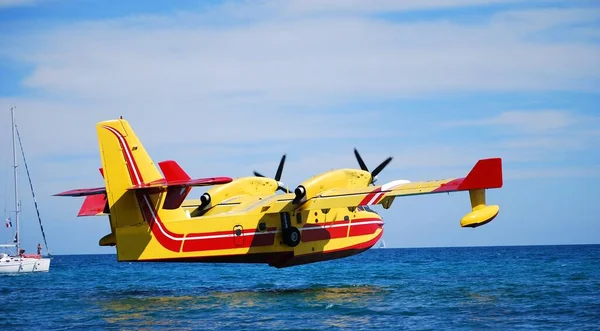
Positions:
(94, 205)
(80, 192)
(177, 183)
(174, 176)
(178, 190)
(163, 183)
(173, 171)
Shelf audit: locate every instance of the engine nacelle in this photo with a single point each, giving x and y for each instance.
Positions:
(341, 178)
(254, 186)
(205, 200)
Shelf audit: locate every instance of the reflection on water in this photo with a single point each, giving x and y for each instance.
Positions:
(481, 298)
(351, 294)
(344, 321)
(386, 289)
(146, 309)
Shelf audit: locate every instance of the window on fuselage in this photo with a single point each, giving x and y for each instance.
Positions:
(367, 209)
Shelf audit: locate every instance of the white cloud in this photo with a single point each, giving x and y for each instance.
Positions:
(303, 60)
(561, 142)
(553, 173)
(375, 6)
(70, 127)
(525, 121)
(541, 19)
(546, 137)
(16, 3)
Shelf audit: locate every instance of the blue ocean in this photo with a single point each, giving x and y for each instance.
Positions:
(507, 288)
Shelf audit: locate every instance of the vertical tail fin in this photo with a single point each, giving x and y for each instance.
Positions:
(141, 205)
(126, 164)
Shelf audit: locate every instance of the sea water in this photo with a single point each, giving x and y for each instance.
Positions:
(508, 288)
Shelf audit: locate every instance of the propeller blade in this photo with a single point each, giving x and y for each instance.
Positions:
(283, 189)
(380, 167)
(361, 163)
(280, 185)
(280, 168)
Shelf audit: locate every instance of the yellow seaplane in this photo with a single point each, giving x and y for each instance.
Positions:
(243, 220)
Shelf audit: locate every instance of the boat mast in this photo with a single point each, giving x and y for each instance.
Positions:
(15, 165)
(37, 210)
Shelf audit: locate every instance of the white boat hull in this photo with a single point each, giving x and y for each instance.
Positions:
(42, 264)
(11, 264)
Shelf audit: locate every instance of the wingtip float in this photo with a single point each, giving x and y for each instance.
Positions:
(486, 174)
(243, 220)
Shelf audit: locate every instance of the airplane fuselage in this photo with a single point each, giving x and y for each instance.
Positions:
(245, 233)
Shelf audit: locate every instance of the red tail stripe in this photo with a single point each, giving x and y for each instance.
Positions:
(134, 171)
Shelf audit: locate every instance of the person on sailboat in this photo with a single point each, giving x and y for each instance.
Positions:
(39, 249)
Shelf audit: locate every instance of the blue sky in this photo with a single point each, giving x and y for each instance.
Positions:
(227, 87)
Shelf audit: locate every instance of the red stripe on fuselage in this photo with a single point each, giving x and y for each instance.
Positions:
(365, 228)
(338, 229)
(276, 259)
(314, 233)
(168, 239)
(227, 240)
(200, 241)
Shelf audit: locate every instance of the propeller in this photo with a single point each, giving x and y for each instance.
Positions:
(277, 177)
(377, 169)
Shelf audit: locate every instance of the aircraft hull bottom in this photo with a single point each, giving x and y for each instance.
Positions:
(276, 259)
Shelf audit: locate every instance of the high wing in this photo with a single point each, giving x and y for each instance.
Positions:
(486, 174)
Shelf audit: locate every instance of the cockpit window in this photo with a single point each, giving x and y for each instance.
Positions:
(366, 208)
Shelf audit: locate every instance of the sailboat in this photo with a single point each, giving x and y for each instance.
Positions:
(21, 262)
